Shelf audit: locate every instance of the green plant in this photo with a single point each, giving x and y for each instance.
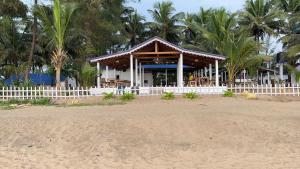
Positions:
(127, 97)
(168, 96)
(191, 95)
(108, 96)
(43, 101)
(228, 93)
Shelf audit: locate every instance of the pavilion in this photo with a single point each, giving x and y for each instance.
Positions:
(157, 51)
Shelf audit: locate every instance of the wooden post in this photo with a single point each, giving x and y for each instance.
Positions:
(98, 75)
(217, 73)
(131, 71)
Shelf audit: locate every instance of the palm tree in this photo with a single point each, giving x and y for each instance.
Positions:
(193, 37)
(165, 23)
(260, 18)
(291, 38)
(241, 53)
(134, 27)
(14, 46)
(220, 25)
(57, 30)
(33, 44)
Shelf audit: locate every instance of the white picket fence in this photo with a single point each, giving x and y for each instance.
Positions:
(7, 93)
(24, 93)
(271, 90)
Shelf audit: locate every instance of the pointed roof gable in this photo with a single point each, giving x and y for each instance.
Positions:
(162, 41)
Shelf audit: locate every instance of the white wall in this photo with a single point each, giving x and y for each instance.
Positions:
(126, 76)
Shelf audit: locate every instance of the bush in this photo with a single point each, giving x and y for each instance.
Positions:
(127, 97)
(44, 101)
(108, 96)
(168, 96)
(228, 93)
(191, 95)
(251, 96)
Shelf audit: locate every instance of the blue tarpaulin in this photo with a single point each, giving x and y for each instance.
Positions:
(36, 79)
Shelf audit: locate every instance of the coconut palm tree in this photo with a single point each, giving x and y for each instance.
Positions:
(165, 22)
(260, 18)
(241, 53)
(33, 45)
(13, 45)
(134, 27)
(193, 36)
(220, 25)
(57, 29)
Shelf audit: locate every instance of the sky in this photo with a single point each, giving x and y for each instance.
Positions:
(182, 5)
(191, 6)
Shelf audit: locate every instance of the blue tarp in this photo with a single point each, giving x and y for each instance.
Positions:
(36, 79)
(164, 66)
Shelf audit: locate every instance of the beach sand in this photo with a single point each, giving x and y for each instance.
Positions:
(149, 133)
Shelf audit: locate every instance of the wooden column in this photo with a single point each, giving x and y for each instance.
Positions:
(131, 71)
(136, 72)
(210, 72)
(98, 75)
(217, 73)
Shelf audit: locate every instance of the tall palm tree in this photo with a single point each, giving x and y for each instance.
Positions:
(14, 44)
(193, 36)
(134, 27)
(165, 22)
(33, 44)
(56, 29)
(260, 18)
(220, 25)
(291, 31)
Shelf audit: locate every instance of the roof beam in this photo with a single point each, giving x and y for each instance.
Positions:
(157, 53)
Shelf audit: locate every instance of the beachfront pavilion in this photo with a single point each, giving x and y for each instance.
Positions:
(157, 51)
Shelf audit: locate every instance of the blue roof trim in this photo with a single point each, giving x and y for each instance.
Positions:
(164, 66)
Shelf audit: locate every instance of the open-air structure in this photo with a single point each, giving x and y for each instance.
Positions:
(132, 65)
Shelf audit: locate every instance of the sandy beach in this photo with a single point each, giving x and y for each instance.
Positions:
(148, 133)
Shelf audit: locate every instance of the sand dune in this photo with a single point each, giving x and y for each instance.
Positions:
(209, 133)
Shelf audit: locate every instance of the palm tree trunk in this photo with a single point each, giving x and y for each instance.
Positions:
(58, 72)
(33, 44)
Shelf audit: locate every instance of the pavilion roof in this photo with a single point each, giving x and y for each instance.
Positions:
(162, 41)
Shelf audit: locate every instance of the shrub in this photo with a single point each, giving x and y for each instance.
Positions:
(108, 96)
(168, 96)
(228, 93)
(251, 96)
(127, 97)
(44, 101)
(245, 93)
(191, 95)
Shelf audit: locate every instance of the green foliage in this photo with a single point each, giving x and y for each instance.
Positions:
(44, 101)
(108, 96)
(87, 75)
(228, 94)
(168, 96)
(14, 103)
(191, 95)
(166, 22)
(127, 97)
(57, 29)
